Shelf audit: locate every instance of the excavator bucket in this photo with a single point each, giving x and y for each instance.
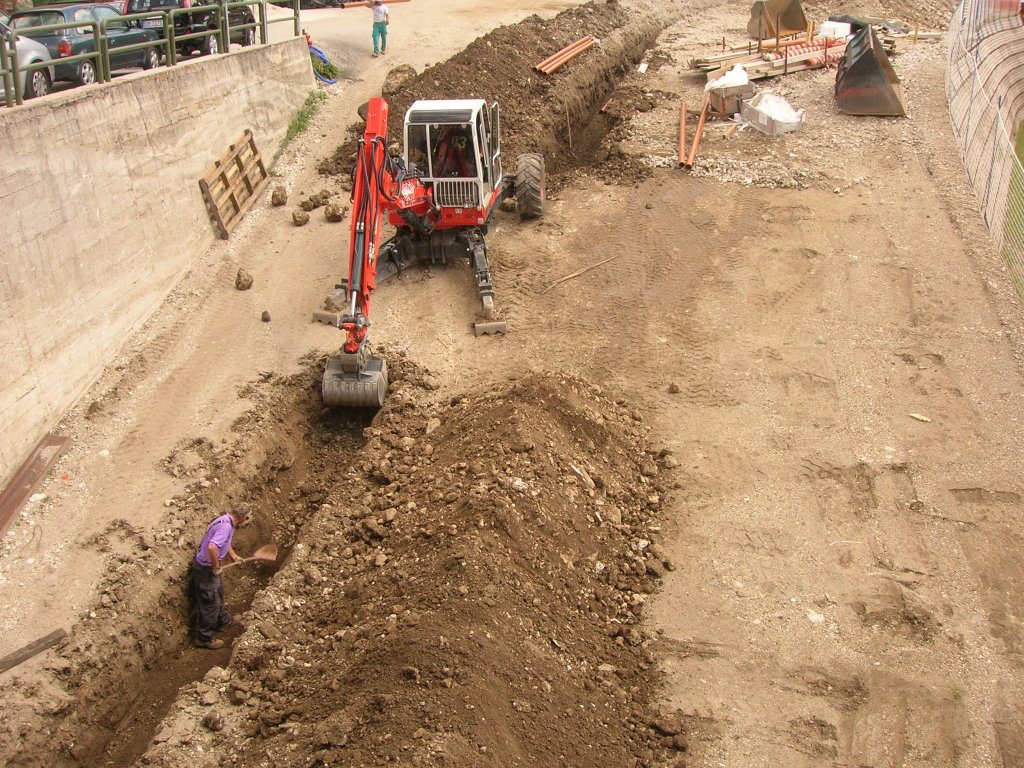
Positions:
(865, 81)
(490, 328)
(355, 381)
(775, 18)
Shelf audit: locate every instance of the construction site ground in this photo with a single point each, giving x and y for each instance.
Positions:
(745, 494)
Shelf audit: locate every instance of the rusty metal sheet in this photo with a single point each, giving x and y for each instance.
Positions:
(25, 480)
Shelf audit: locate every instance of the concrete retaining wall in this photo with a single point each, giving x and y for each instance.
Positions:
(101, 214)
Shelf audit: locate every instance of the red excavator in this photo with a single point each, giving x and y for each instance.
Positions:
(439, 195)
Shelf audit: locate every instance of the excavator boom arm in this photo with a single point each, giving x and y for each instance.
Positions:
(380, 187)
(370, 196)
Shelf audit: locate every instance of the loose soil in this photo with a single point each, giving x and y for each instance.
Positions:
(680, 515)
(474, 579)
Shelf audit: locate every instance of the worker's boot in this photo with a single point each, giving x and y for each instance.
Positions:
(213, 645)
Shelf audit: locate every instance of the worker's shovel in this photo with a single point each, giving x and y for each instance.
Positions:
(267, 554)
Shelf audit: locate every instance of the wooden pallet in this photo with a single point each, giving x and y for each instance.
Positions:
(233, 183)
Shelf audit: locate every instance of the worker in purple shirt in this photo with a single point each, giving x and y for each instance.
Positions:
(207, 588)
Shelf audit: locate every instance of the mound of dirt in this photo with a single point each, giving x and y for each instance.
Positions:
(469, 594)
(557, 115)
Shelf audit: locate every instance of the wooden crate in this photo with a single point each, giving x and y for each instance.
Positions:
(726, 101)
(233, 183)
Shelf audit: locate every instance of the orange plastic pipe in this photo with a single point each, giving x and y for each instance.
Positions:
(682, 133)
(698, 132)
(558, 55)
(563, 56)
(553, 62)
(568, 55)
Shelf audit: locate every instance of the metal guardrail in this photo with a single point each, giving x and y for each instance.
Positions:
(10, 72)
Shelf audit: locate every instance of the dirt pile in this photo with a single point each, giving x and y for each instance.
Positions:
(470, 594)
(557, 115)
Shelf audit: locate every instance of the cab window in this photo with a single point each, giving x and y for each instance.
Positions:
(452, 151)
(416, 147)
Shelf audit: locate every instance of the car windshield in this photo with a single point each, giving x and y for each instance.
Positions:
(37, 19)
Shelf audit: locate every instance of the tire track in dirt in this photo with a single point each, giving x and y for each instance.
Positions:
(826, 555)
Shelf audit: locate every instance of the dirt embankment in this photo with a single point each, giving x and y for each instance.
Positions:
(470, 593)
(558, 115)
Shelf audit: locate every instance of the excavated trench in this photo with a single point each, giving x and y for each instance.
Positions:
(288, 472)
(558, 115)
(132, 655)
(126, 666)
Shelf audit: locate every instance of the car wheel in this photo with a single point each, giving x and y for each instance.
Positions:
(249, 37)
(210, 46)
(37, 84)
(86, 73)
(152, 59)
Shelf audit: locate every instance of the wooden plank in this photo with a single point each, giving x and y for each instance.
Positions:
(248, 203)
(218, 219)
(34, 648)
(228, 189)
(226, 157)
(25, 480)
(232, 184)
(241, 144)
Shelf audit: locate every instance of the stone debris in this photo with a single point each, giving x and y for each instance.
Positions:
(334, 212)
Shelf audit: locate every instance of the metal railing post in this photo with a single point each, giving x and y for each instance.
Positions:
(172, 51)
(224, 26)
(172, 44)
(10, 90)
(298, 19)
(264, 31)
(102, 46)
(221, 37)
(19, 97)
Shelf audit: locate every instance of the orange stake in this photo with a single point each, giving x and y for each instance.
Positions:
(682, 134)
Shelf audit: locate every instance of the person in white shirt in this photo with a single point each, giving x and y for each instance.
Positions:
(380, 27)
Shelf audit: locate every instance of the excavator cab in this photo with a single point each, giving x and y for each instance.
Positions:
(454, 147)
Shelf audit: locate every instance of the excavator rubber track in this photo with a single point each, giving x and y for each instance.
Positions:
(355, 381)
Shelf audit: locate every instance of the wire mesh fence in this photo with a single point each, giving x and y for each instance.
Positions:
(985, 91)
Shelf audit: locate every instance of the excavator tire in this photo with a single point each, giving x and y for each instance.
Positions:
(530, 185)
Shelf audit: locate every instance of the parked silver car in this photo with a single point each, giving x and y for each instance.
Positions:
(37, 82)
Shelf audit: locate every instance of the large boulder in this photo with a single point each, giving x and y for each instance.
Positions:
(397, 79)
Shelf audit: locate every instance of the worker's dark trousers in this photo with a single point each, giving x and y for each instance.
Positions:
(208, 592)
